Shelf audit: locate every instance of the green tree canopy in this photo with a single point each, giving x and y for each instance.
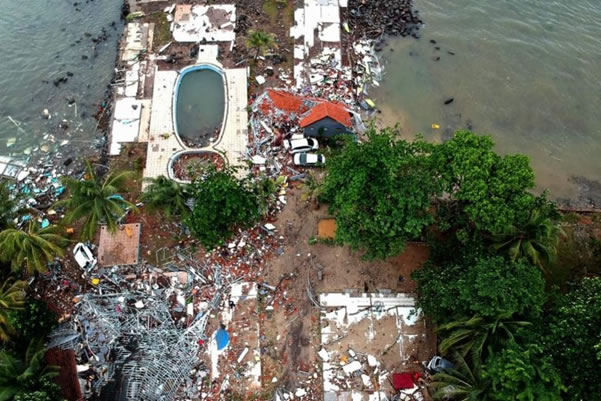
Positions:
(260, 41)
(479, 336)
(574, 337)
(523, 374)
(21, 374)
(485, 286)
(491, 190)
(535, 240)
(46, 390)
(8, 206)
(464, 383)
(12, 298)
(34, 319)
(33, 247)
(222, 203)
(380, 192)
(96, 201)
(167, 196)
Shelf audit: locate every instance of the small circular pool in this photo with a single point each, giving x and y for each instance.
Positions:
(199, 105)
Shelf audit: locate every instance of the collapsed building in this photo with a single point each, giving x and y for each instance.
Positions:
(137, 345)
(277, 114)
(287, 112)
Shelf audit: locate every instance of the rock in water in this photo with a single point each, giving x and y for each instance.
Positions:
(375, 17)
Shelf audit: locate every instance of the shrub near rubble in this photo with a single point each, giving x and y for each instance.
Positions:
(222, 203)
(380, 192)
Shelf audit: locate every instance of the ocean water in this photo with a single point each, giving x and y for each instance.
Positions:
(43, 41)
(526, 72)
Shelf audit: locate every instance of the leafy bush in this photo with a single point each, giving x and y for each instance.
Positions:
(35, 320)
(380, 192)
(46, 390)
(486, 286)
(574, 339)
(8, 205)
(221, 204)
(523, 374)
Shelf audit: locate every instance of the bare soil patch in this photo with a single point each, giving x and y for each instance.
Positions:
(290, 329)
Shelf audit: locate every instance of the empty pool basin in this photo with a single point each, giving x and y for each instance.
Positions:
(199, 105)
(186, 165)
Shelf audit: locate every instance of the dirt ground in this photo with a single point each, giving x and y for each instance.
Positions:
(291, 331)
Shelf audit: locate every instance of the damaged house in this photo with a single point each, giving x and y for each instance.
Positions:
(313, 116)
(327, 119)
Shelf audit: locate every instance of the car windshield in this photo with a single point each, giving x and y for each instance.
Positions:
(312, 158)
(299, 143)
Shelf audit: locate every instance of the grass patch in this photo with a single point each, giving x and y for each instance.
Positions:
(289, 13)
(270, 8)
(162, 30)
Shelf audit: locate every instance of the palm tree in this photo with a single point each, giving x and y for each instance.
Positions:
(12, 297)
(260, 40)
(8, 205)
(477, 334)
(167, 196)
(19, 375)
(537, 240)
(96, 201)
(462, 383)
(33, 247)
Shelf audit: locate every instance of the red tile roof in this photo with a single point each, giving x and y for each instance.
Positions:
(287, 101)
(335, 111)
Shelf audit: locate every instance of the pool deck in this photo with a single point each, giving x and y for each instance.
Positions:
(163, 143)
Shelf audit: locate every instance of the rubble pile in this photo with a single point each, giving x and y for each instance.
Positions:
(373, 19)
(245, 255)
(354, 370)
(269, 125)
(38, 186)
(143, 333)
(187, 165)
(367, 71)
(330, 80)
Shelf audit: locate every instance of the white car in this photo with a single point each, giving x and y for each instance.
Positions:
(309, 159)
(84, 257)
(301, 145)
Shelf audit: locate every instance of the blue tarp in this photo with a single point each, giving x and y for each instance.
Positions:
(222, 338)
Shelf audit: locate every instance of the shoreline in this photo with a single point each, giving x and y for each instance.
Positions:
(379, 40)
(280, 307)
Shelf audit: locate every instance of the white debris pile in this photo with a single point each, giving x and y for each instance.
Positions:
(318, 63)
(367, 71)
(352, 371)
(128, 119)
(199, 23)
(364, 339)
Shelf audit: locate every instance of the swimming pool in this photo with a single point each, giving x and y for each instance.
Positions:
(199, 105)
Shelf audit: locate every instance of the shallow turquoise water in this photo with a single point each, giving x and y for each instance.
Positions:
(528, 72)
(43, 40)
